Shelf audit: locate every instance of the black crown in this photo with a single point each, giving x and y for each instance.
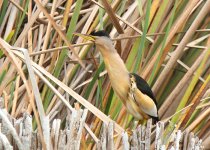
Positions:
(99, 33)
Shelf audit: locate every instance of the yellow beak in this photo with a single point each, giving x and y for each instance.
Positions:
(85, 36)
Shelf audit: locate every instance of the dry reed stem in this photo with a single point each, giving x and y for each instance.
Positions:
(62, 35)
(29, 24)
(179, 50)
(77, 78)
(195, 101)
(43, 118)
(47, 35)
(180, 85)
(14, 104)
(11, 129)
(7, 51)
(112, 16)
(84, 102)
(177, 25)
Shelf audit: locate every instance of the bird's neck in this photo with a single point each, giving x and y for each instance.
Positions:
(117, 71)
(114, 63)
(112, 60)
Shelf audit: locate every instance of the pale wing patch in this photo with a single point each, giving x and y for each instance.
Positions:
(145, 103)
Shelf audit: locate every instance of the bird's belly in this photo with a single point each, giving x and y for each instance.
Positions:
(120, 86)
(119, 80)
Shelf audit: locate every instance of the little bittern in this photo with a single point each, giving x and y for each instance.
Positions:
(132, 90)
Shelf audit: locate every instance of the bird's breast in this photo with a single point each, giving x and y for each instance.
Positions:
(119, 77)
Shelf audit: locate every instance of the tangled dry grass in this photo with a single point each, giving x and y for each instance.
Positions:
(46, 71)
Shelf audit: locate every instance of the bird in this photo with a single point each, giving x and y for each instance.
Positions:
(132, 90)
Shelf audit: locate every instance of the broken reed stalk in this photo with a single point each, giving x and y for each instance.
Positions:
(70, 137)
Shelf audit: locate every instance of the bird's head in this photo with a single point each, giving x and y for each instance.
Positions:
(100, 39)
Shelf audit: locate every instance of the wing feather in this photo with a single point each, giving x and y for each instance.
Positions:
(145, 97)
(143, 86)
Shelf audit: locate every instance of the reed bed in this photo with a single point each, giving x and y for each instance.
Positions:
(48, 73)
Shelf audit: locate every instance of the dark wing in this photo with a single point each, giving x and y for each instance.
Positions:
(143, 86)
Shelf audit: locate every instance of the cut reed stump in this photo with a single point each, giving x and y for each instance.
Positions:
(18, 134)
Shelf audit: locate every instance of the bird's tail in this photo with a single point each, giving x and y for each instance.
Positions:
(156, 119)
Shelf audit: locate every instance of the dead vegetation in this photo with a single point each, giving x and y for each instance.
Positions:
(48, 73)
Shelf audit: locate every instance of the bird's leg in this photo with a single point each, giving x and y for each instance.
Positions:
(142, 122)
(129, 131)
